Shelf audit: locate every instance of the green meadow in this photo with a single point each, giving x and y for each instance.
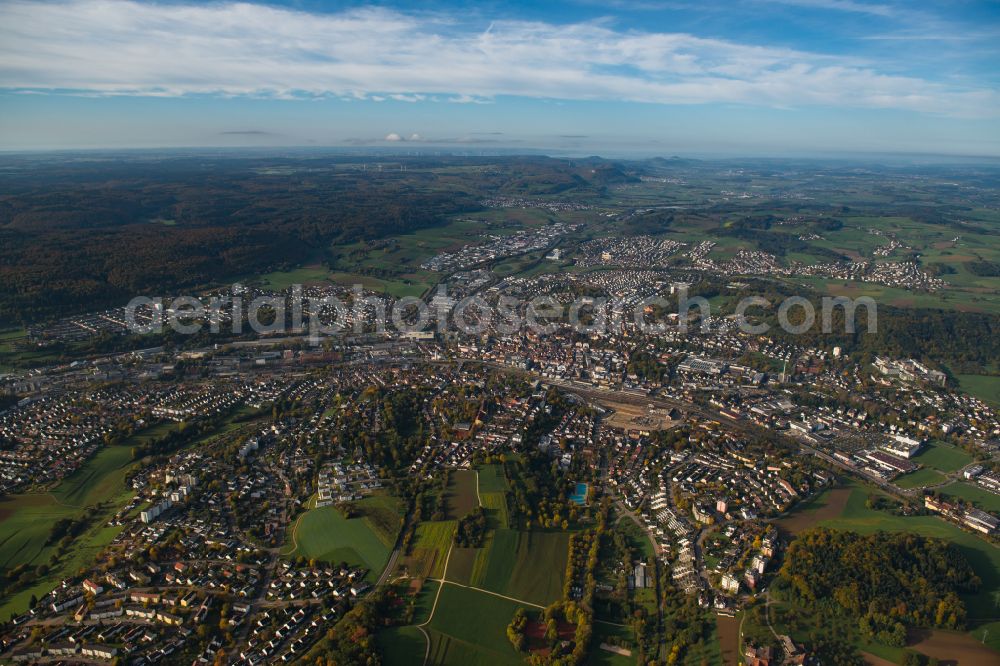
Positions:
(460, 636)
(920, 478)
(984, 387)
(430, 548)
(527, 565)
(492, 479)
(26, 521)
(402, 646)
(324, 534)
(279, 280)
(943, 457)
(981, 497)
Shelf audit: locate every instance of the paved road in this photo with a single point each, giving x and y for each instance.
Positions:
(392, 561)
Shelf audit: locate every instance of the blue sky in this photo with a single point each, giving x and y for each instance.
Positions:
(748, 77)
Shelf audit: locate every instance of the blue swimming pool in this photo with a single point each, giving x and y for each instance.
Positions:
(579, 495)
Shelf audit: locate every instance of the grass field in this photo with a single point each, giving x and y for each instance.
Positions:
(481, 563)
(430, 546)
(461, 496)
(637, 537)
(469, 627)
(8, 338)
(284, 279)
(325, 535)
(948, 299)
(501, 560)
(398, 288)
(493, 487)
(12, 334)
(425, 601)
(398, 261)
(402, 646)
(496, 508)
(497, 519)
(406, 645)
(384, 514)
(844, 508)
(979, 496)
(97, 480)
(949, 647)
(920, 478)
(943, 458)
(606, 633)
(798, 623)
(984, 387)
(492, 479)
(462, 564)
(527, 565)
(27, 520)
(826, 505)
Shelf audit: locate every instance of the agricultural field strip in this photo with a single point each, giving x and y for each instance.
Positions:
(444, 580)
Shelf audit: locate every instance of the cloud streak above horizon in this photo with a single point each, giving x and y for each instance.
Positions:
(119, 47)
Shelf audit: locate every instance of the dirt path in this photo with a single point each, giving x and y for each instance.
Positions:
(295, 528)
(430, 616)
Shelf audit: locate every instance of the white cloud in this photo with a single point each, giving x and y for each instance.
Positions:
(843, 6)
(118, 47)
(392, 136)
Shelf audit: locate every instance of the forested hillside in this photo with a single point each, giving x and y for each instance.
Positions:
(886, 581)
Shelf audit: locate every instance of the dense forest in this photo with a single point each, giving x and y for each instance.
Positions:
(68, 247)
(965, 341)
(471, 529)
(886, 581)
(80, 234)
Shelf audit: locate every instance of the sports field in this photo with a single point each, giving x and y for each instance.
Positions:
(920, 478)
(611, 634)
(981, 497)
(943, 458)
